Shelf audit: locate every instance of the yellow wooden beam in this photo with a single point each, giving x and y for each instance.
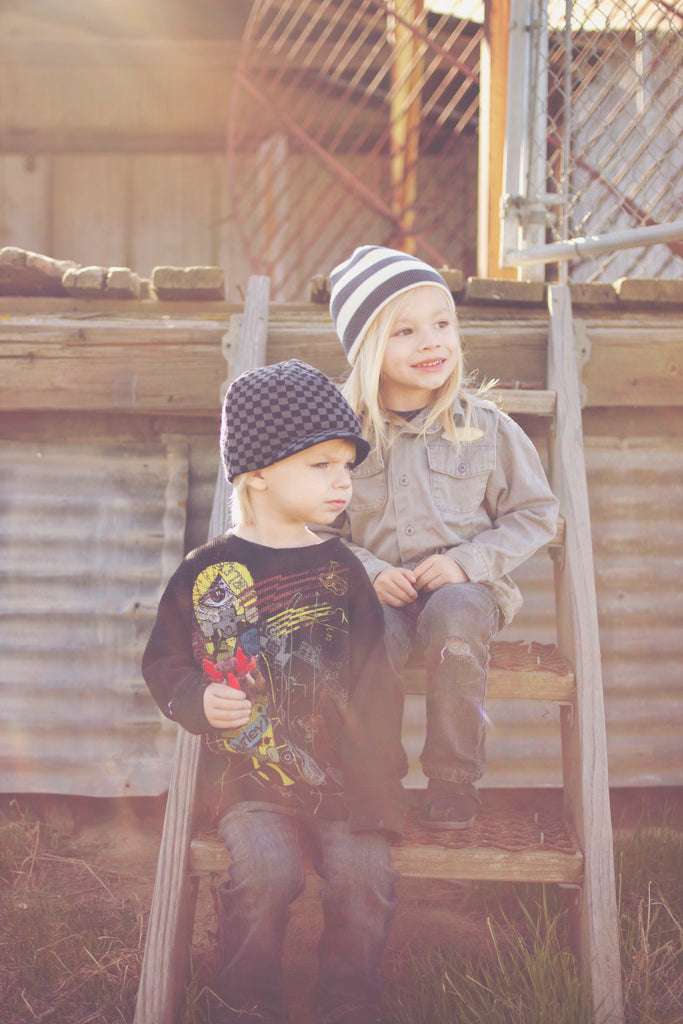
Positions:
(492, 116)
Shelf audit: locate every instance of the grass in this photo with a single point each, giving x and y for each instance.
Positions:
(649, 871)
(71, 943)
(524, 973)
(70, 949)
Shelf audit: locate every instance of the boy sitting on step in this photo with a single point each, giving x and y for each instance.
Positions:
(269, 642)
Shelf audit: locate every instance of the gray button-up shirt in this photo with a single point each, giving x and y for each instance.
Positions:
(485, 502)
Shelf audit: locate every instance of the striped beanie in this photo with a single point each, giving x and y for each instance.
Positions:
(275, 411)
(364, 284)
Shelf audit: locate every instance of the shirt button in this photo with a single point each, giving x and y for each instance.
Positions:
(462, 468)
(403, 480)
(409, 531)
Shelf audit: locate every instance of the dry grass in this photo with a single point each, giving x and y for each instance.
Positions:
(70, 947)
(72, 939)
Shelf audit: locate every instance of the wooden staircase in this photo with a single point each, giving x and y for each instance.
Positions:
(505, 845)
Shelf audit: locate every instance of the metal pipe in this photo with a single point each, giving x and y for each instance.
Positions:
(566, 132)
(577, 247)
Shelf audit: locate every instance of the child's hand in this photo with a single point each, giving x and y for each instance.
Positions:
(395, 587)
(225, 707)
(437, 571)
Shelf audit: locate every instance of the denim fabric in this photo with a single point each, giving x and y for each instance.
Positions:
(359, 901)
(453, 627)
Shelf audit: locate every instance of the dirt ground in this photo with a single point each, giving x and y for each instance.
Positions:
(119, 842)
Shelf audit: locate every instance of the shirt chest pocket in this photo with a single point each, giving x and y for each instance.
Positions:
(458, 479)
(369, 486)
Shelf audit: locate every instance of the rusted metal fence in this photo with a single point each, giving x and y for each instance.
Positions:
(353, 121)
(594, 142)
(357, 120)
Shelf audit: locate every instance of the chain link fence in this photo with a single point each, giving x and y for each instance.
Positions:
(358, 120)
(598, 148)
(354, 121)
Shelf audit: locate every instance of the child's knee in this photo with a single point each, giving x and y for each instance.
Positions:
(264, 882)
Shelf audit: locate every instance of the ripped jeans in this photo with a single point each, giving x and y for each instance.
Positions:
(453, 627)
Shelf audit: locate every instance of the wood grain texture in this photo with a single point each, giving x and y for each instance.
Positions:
(166, 961)
(584, 738)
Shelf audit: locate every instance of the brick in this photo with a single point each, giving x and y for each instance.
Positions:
(592, 293)
(122, 283)
(320, 289)
(85, 282)
(23, 272)
(502, 290)
(650, 290)
(176, 283)
(455, 279)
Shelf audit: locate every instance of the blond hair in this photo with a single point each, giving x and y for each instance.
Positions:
(362, 387)
(241, 507)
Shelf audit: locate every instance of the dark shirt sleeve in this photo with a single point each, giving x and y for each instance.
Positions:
(372, 752)
(169, 668)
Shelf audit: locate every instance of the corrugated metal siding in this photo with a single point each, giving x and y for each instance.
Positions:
(636, 497)
(89, 535)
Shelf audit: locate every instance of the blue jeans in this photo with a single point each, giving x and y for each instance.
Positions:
(359, 901)
(453, 627)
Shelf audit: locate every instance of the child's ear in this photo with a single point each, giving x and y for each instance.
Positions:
(257, 480)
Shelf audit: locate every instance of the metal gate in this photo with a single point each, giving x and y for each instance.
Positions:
(353, 121)
(357, 121)
(594, 140)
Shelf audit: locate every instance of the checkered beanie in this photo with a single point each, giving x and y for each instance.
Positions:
(364, 284)
(275, 411)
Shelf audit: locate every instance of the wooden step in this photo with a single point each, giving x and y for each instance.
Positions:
(507, 843)
(504, 844)
(519, 671)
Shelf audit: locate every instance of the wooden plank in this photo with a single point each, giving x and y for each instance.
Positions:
(584, 738)
(129, 366)
(630, 366)
(175, 202)
(119, 53)
(473, 863)
(166, 962)
(169, 930)
(208, 855)
(89, 208)
(153, 357)
(509, 684)
(251, 352)
(534, 402)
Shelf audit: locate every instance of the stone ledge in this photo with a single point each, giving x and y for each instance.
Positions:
(26, 273)
(189, 282)
(593, 294)
(491, 289)
(23, 272)
(650, 290)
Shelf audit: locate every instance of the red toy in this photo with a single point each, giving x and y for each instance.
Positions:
(230, 670)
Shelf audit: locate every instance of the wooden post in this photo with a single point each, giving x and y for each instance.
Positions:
(166, 962)
(492, 110)
(404, 122)
(584, 741)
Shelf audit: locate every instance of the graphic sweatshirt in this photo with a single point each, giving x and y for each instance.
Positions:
(324, 734)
